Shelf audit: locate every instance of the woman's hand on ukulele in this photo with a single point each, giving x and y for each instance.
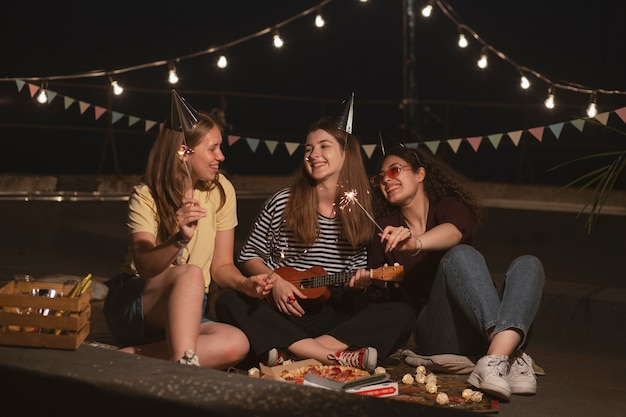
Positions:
(286, 297)
(360, 280)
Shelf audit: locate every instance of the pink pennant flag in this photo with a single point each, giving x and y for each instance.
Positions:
(33, 89)
(99, 111)
(537, 132)
(232, 139)
(621, 113)
(475, 142)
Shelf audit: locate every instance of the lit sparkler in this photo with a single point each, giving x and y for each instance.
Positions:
(350, 197)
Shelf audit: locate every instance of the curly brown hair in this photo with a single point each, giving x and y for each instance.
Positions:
(440, 181)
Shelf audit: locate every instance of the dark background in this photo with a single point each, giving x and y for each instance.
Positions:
(274, 94)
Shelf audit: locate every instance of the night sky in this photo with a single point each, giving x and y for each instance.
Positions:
(276, 94)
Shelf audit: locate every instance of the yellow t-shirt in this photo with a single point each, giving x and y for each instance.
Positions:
(142, 217)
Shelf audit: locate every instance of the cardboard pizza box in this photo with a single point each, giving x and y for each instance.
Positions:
(318, 381)
(384, 389)
(274, 372)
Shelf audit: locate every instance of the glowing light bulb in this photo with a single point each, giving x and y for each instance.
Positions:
(42, 97)
(462, 41)
(278, 41)
(427, 10)
(524, 82)
(117, 89)
(319, 20)
(222, 62)
(172, 77)
(592, 110)
(482, 61)
(550, 100)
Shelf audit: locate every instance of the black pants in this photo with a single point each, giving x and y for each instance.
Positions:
(385, 326)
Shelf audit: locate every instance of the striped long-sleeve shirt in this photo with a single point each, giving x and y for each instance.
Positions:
(271, 241)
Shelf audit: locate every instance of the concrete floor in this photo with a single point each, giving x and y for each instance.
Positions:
(579, 336)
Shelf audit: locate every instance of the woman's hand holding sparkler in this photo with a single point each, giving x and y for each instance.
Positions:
(398, 237)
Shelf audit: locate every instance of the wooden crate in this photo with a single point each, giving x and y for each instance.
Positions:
(65, 327)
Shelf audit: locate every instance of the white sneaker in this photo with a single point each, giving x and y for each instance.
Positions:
(190, 358)
(521, 375)
(490, 376)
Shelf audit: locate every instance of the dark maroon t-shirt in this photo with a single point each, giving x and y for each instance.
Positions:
(420, 270)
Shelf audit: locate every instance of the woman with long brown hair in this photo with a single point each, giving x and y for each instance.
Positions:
(309, 232)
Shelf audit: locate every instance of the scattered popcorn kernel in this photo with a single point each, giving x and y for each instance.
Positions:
(379, 370)
(431, 378)
(431, 387)
(442, 398)
(477, 396)
(467, 393)
(420, 370)
(408, 379)
(254, 372)
(420, 378)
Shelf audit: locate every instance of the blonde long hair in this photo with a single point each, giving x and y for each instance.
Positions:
(301, 209)
(165, 175)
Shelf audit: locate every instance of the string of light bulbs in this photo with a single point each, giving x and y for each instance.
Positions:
(172, 75)
(278, 42)
(483, 62)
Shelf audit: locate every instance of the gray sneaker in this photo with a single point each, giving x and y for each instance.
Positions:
(521, 376)
(490, 376)
(190, 358)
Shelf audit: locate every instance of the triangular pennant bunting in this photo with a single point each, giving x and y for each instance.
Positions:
(475, 142)
(291, 147)
(515, 136)
(149, 125)
(271, 145)
(495, 139)
(132, 120)
(454, 144)
(99, 111)
(32, 88)
(232, 139)
(621, 113)
(602, 118)
(537, 132)
(433, 145)
(578, 124)
(253, 143)
(116, 116)
(369, 150)
(83, 106)
(67, 102)
(556, 129)
(19, 84)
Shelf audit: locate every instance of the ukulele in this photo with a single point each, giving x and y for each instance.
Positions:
(315, 282)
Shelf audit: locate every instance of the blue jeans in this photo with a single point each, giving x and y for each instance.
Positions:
(464, 304)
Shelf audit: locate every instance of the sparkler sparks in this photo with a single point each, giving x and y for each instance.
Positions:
(350, 197)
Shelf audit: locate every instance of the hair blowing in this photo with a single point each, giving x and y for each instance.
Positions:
(301, 209)
(165, 174)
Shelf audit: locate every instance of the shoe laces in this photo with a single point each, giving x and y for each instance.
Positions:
(353, 358)
(498, 365)
(522, 365)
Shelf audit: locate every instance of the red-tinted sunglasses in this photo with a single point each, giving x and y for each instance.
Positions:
(392, 172)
